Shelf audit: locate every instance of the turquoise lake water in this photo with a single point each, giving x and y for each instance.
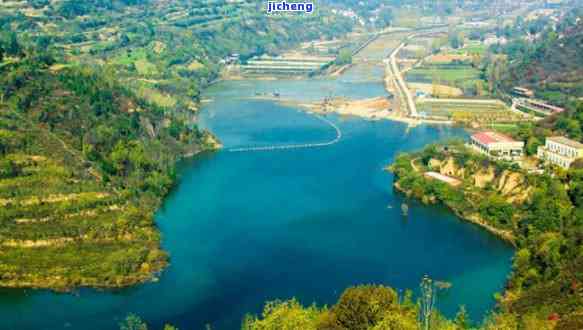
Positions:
(245, 228)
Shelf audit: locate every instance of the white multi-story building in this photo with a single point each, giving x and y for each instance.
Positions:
(497, 146)
(560, 151)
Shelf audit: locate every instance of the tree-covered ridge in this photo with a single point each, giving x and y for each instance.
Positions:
(546, 225)
(546, 55)
(98, 100)
(83, 165)
(166, 51)
(370, 307)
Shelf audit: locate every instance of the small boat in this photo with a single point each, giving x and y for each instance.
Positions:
(405, 209)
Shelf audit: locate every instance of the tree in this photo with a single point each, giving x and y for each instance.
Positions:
(344, 57)
(495, 208)
(120, 158)
(133, 322)
(395, 321)
(284, 315)
(456, 39)
(521, 261)
(532, 145)
(427, 301)
(461, 319)
(386, 16)
(576, 193)
(124, 40)
(364, 306)
(8, 169)
(13, 47)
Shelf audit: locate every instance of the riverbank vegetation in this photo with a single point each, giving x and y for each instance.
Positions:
(165, 51)
(98, 101)
(541, 214)
(361, 307)
(84, 164)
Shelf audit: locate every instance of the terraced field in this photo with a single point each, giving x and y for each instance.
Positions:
(468, 110)
(160, 39)
(97, 103)
(59, 225)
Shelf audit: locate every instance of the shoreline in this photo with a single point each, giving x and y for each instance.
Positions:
(473, 219)
(351, 108)
(57, 284)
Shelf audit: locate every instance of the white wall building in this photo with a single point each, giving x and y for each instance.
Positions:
(497, 146)
(560, 151)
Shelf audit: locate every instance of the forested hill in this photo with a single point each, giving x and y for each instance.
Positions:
(84, 164)
(98, 100)
(544, 54)
(164, 50)
(549, 57)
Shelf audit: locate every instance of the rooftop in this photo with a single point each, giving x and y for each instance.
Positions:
(565, 141)
(492, 137)
(543, 104)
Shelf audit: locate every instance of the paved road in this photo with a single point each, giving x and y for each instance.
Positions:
(400, 82)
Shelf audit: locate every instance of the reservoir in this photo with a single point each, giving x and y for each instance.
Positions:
(243, 228)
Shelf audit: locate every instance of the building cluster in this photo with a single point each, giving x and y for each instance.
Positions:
(349, 14)
(231, 59)
(558, 150)
(525, 100)
(492, 39)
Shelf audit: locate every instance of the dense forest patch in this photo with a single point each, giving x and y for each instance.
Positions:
(84, 163)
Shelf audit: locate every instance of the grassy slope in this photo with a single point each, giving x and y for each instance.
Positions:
(83, 165)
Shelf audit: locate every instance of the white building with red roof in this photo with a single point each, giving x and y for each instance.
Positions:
(496, 145)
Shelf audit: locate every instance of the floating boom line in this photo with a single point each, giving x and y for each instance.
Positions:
(296, 146)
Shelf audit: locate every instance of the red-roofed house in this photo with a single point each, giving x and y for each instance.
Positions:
(496, 145)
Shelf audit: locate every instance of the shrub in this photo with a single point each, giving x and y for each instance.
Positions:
(364, 306)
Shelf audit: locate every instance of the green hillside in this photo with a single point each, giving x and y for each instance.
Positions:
(549, 60)
(165, 51)
(98, 101)
(83, 165)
